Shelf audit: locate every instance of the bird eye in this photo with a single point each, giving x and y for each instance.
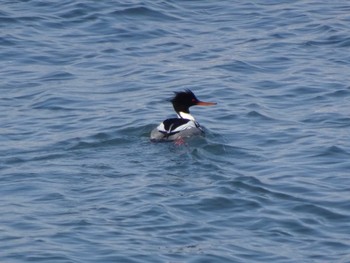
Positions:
(193, 100)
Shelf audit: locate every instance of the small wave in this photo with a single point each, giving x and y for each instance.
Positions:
(221, 202)
(328, 117)
(57, 76)
(7, 41)
(256, 114)
(335, 40)
(54, 103)
(319, 211)
(341, 93)
(98, 143)
(334, 151)
(141, 11)
(240, 66)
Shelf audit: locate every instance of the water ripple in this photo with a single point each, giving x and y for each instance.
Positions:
(84, 83)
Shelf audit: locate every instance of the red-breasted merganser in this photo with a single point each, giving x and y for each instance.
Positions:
(185, 124)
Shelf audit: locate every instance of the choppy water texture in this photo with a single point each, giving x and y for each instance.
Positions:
(84, 82)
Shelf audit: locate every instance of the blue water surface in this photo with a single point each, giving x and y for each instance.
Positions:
(84, 82)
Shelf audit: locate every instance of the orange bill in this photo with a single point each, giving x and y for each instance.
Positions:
(203, 103)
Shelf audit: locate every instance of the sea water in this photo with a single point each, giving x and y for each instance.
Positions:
(83, 83)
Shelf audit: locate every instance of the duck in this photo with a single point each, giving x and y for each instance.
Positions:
(185, 125)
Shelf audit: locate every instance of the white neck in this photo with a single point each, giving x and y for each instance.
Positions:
(184, 115)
